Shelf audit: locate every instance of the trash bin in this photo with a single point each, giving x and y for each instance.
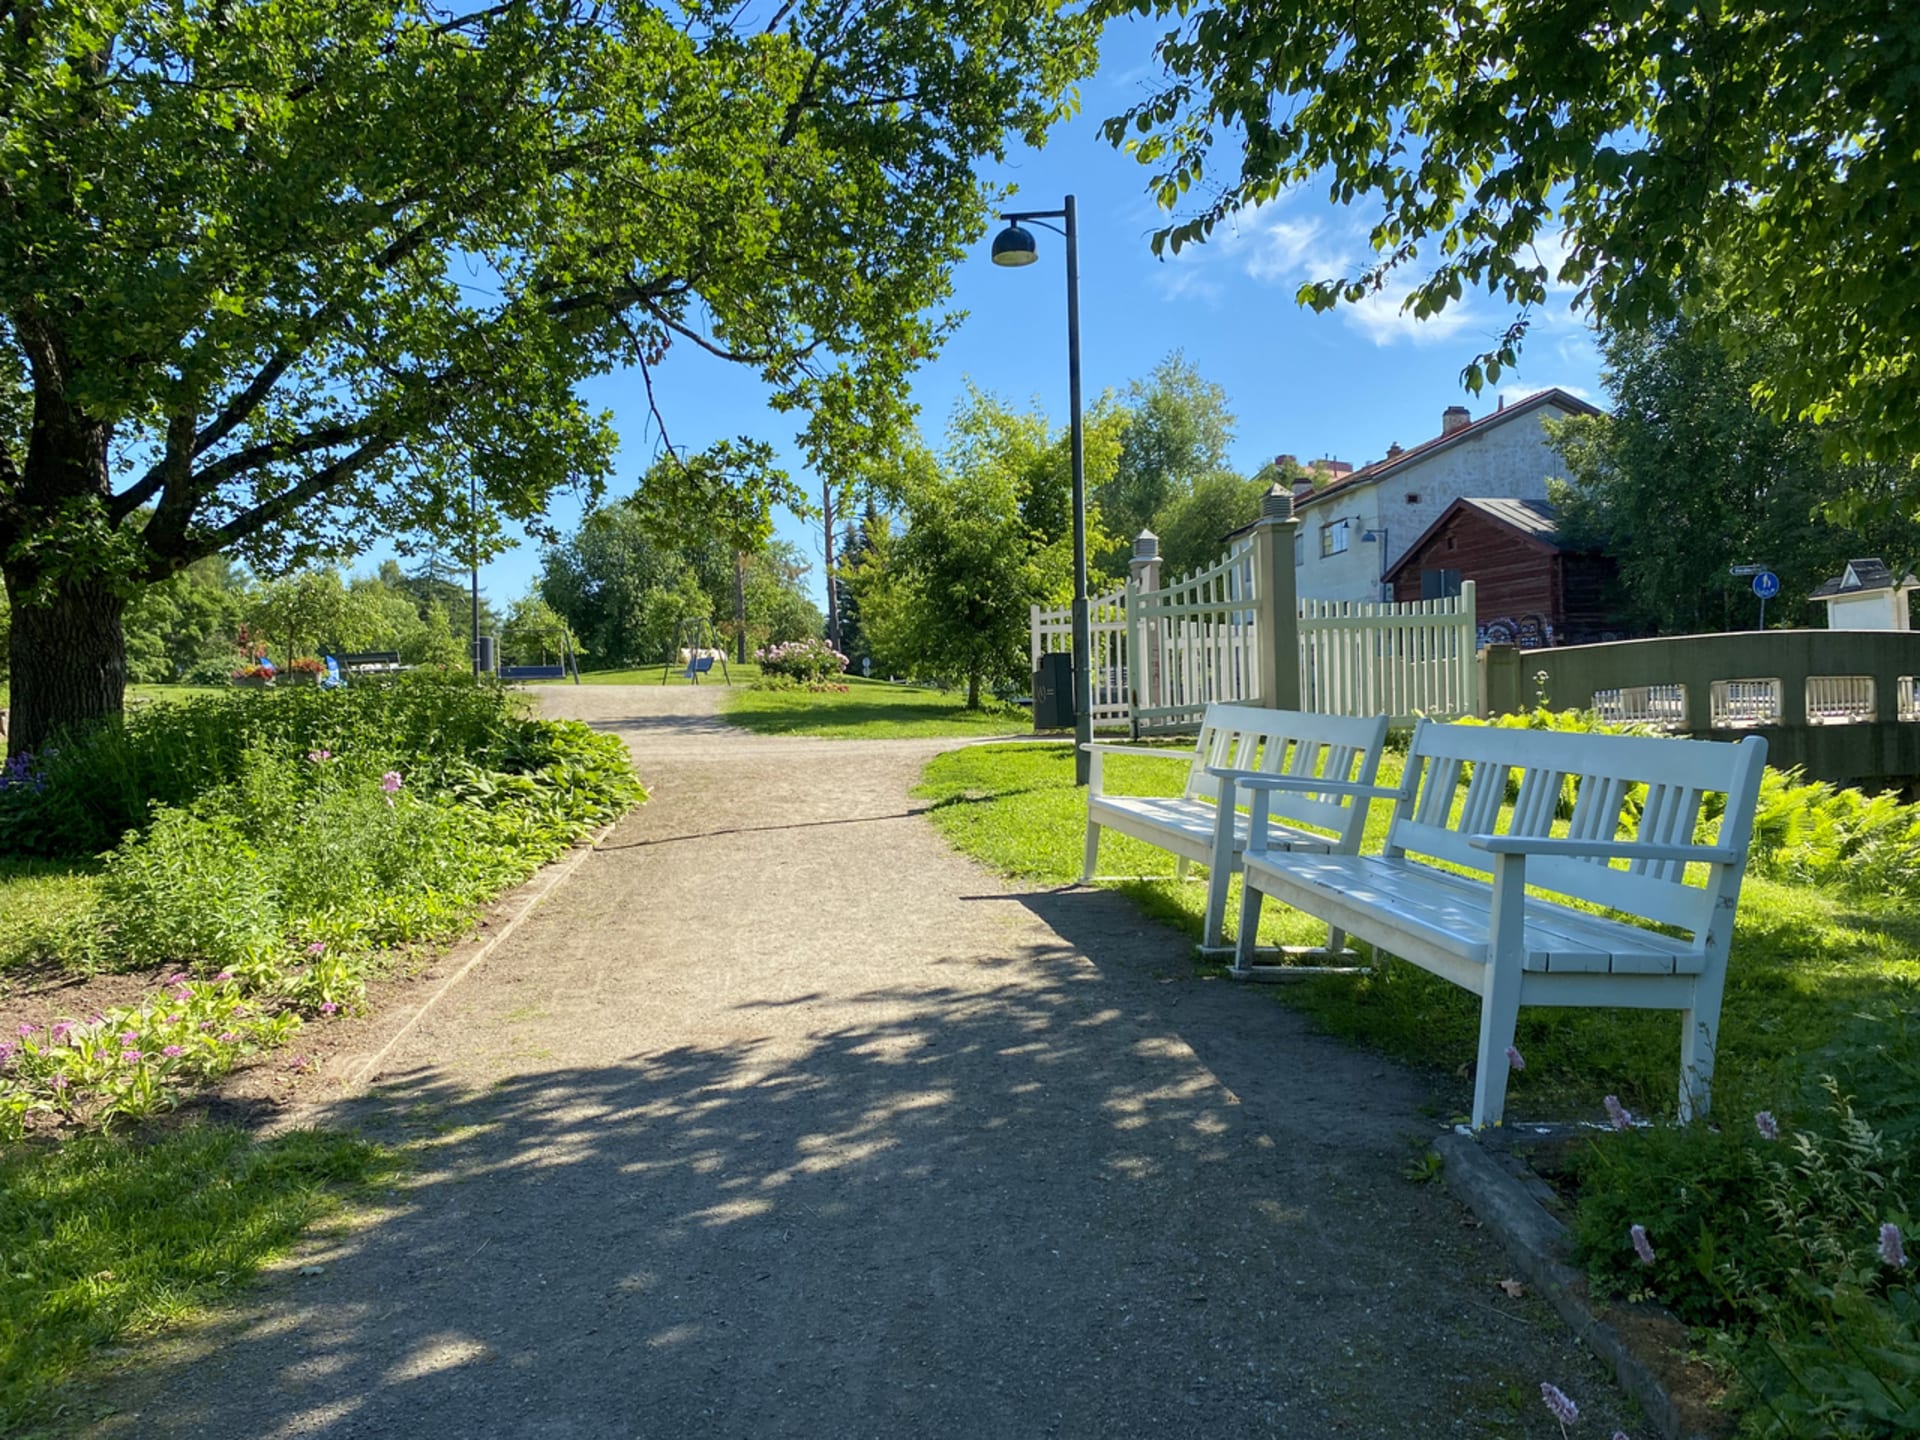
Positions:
(1053, 693)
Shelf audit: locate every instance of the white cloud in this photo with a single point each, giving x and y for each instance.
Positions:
(1381, 318)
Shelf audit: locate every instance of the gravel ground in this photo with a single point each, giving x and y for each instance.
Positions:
(781, 1118)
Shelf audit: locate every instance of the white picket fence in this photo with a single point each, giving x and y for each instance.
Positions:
(1050, 632)
(1199, 642)
(1197, 639)
(1405, 660)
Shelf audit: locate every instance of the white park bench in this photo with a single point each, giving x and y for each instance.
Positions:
(1512, 948)
(1336, 753)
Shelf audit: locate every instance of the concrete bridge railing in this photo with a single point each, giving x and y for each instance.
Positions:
(1839, 704)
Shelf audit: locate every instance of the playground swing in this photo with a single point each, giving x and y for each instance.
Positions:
(696, 638)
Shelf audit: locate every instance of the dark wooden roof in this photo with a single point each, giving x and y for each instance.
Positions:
(1532, 521)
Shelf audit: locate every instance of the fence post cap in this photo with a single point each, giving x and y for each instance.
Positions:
(1277, 503)
(1146, 545)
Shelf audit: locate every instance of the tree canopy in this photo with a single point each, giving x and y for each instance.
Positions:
(1603, 145)
(290, 274)
(1685, 479)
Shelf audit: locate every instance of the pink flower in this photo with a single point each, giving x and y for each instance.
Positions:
(1892, 1251)
(328, 1008)
(59, 1082)
(130, 1055)
(1768, 1127)
(175, 978)
(26, 1031)
(318, 947)
(1641, 1245)
(223, 977)
(318, 756)
(183, 992)
(128, 1037)
(390, 782)
(62, 1030)
(227, 1037)
(1618, 1115)
(1518, 1062)
(1562, 1408)
(174, 1052)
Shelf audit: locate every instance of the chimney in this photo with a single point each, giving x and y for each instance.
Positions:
(1285, 462)
(1301, 489)
(1333, 468)
(1394, 452)
(1456, 417)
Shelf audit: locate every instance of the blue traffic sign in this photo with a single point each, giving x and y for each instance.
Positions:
(1766, 584)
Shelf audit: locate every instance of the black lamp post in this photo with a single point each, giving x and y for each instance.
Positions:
(1014, 246)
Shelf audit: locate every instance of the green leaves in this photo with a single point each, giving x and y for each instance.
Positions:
(1775, 140)
(307, 268)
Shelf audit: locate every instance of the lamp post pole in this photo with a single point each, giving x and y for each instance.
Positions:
(1015, 247)
(473, 560)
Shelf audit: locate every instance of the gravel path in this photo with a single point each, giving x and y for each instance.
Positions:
(784, 1119)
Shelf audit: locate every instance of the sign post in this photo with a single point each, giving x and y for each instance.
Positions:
(1766, 585)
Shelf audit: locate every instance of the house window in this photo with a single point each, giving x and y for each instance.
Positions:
(1333, 538)
(1449, 542)
(1439, 584)
(1413, 497)
(1299, 549)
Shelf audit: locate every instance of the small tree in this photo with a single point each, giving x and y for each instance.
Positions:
(310, 608)
(533, 631)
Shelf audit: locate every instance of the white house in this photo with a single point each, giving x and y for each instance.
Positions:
(1865, 597)
(1352, 531)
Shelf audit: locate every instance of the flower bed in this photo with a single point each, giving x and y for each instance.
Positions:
(808, 661)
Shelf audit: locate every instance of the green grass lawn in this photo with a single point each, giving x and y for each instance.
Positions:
(868, 710)
(1805, 962)
(107, 1238)
(43, 907)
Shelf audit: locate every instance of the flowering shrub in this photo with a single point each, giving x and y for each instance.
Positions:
(130, 1060)
(809, 660)
(254, 675)
(1784, 1239)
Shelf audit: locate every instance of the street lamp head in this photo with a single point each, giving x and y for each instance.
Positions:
(1014, 246)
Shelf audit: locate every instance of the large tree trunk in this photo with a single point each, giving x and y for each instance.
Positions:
(69, 659)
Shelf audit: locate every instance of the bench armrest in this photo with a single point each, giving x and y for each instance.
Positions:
(1601, 849)
(1263, 780)
(1114, 747)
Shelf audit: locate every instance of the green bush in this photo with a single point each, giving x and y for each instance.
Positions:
(92, 788)
(341, 825)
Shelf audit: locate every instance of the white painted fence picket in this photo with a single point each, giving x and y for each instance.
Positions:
(1402, 660)
(1050, 632)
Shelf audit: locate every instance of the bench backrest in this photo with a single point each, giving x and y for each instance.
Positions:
(1290, 742)
(1605, 787)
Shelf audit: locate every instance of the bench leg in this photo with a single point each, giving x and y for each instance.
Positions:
(1243, 949)
(1092, 857)
(1336, 940)
(1500, 1001)
(1181, 865)
(1499, 1011)
(1216, 924)
(1699, 1036)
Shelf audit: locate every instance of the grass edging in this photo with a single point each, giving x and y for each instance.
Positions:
(1540, 1246)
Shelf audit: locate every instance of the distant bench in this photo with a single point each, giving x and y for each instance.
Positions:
(533, 672)
(369, 660)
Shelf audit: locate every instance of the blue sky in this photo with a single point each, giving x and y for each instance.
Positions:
(1345, 384)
